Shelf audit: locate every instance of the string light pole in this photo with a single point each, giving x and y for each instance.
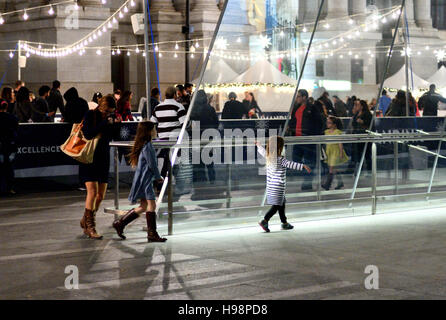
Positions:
(147, 57)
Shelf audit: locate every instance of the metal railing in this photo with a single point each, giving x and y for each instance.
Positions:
(408, 139)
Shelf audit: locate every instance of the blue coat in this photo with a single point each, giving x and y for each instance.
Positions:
(146, 173)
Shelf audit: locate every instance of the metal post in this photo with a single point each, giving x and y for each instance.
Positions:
(170, 203)
(116, 178)
(406, 60)
(374, 179)
(395, 165)
(19, 73)
(319, 167)
(228, 186)
(187, 39)
(147, 57)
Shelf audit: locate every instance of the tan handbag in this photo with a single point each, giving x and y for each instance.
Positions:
(78, 147)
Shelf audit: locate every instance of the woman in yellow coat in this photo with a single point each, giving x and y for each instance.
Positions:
(336, 155)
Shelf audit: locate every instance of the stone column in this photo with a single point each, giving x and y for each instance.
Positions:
(410, 13)
(337, 8)
(310, 10)
(358, 6)
(423, 13)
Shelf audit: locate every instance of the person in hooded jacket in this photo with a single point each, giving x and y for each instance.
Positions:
(75, 108)
(203, 112)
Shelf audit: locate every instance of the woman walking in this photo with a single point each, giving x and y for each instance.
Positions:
(276, 180)
(143, 157)
(335, 153)
(97, 123)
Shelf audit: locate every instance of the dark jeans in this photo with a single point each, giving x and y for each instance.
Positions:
(6, 172)
(306, 154)
(273, 211)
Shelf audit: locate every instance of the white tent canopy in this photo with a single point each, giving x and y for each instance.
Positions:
(217, 71)
(264, 72)
(398, 80)
(439, 78)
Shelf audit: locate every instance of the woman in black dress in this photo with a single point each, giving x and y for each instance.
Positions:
(98, 122)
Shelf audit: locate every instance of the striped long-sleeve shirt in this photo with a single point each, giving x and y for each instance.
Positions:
(170, 116)
(276, 178)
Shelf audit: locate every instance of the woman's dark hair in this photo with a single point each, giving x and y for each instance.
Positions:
(252, 95)
(125, 97)
(401, 95)
(7, 93)
(22, 95)
(143, 135)
(364, 106)
(337, 122)
(96, 97)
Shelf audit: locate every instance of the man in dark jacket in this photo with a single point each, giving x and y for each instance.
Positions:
(40, 109)
(234, 109)
(429, 102)
(340, 107)
(55, 100)
(76, 107)
(154, 101)
(305, 120)
(9, 125)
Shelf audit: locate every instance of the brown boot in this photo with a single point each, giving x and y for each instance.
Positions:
(152, 235)
(120, 224)
(91, 225)
(84, 222)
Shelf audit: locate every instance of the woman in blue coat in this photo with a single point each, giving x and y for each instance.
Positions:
(143, 157)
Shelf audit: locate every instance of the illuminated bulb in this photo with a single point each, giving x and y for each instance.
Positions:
(2, 21)
(25, 16)
(357, 33)
(76, 6)
(128, 53)
(114, 20)
(351, 21)
(282, 33)
(143, 54)
(427, 48)
(341, 56)
(95, 36)
(192, 56)
(384, 20)
(121, 15)
(126, 9)
(419, 52)
(334, 42)
(98, 52)
(175, 55)
(11, 55)
(51, 11)
(132, 3)
(176, 46)
(349, 53)
(137, 50)
(327, 26)
(118, 51)
(113, 52)
(156, 48)
(104, 1)
(99, 33)
(239, 40)
(356, 56)
(197, 45)
(304, 29)
(160, 55)
(104, 29)
(341, 39)
(109, 25)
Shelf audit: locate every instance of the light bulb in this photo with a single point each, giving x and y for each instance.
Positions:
(156, 48)
(118, 51)
(197, 45)
(192, 56)
(11, 55)
(137, 50)
(327, 26)
(128, 53)
(104, 29)
(2, 21)
(98, 52)
(132, 3)
(304, 29)
(282, 33)
(25, 16)
(51, 11)
(27, 55)
(104, 1)
(109, 25)
(176, 46)
(351, 21)
(99, 33)
(160, 55)
(76, 6)
(175, 55)
(126, 9)
(121, 15)
(114, 20)
(239, 40)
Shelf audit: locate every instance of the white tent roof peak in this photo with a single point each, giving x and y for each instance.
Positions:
(217, 71)
(398, 80)
(439, 78)
(264, 72)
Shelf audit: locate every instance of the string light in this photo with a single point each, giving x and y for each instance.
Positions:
(304, 29)
(11, 55)
(175, 55)
(104, 1)
(176, 46)
(132, 3)
(2, 21)
(25, 16)
(128, 53)
(160, 55)
(98, 52)
(126, 9)
(51, 11)
(137, 50)
(118, 51)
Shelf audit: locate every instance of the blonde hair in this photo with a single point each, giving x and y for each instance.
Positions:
(274, 148)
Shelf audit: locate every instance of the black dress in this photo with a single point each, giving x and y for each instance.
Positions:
(93, 125)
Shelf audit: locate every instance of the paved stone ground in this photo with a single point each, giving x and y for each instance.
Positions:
(40, 236)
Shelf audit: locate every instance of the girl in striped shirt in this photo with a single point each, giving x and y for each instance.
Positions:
(276, 166)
